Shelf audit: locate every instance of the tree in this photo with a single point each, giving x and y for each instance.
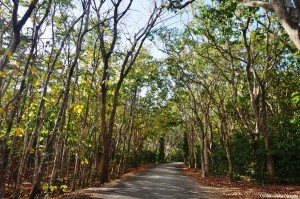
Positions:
(225, 47)
(127, 61)
(288, 13)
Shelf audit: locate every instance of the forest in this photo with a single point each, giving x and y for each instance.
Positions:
(91, 88)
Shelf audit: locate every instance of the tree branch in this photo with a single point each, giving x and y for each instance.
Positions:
(288, 19)
(257, 4)
(178, 5)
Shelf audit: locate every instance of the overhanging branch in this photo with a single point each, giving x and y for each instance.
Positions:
(178, 4)
(261, 4)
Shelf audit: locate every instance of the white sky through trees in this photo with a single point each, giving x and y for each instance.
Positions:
(134, 20)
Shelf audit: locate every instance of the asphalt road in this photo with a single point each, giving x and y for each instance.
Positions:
(161, 181)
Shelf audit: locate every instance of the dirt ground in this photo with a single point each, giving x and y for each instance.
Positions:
(243, 189)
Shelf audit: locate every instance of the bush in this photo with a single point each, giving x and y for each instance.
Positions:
(148, 156)
(176, 155)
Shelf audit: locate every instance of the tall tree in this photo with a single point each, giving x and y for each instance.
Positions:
(288, 13)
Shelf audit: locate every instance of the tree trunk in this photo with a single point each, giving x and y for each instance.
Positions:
(264, 130)
(17, 27)
(63, 107)
(105, 161)
(229, 160)
(10, 121)
(203, 174)
(130, 126)
(205, 142)
(107, 136)
(57, 159)
(15, 138)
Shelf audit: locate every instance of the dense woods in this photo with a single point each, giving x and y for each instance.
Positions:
(91, 88)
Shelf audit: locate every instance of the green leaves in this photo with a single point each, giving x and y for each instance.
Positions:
(84, 161)
(295, 98)
(8, 53)
(64, 188)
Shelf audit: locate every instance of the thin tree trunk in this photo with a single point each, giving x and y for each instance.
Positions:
(11, 153)
(8, 130)
(226, 130)
(77, 164)
(39, 117)
(130, 125)
(15, 38)
(203, 174)
(63, 107)
(263, 124)
(57, 157)
(205, 143)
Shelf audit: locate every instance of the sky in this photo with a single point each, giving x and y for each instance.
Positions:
(137, 17)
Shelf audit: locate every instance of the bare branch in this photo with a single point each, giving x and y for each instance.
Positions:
(178, 5)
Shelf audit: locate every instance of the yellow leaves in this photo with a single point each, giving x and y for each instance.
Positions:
(22, 126)
(35, 82)
(32, 150)
(44, 98)
(64, 188)
(20, 130)
(138, 70)
(90, 56)
(2, 74)
(58, 64)
(10, 106)
(85, 94)
(8, 53)
(110, 92)
(78, 109)
(53, 188)
(84, 161)
(33, 70)
(50, 100)
(83, 81)
(16, 72)
(2, 110)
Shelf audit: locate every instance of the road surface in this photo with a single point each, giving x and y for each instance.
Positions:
(160, 181)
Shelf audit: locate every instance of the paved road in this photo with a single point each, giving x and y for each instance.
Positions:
(161, 181)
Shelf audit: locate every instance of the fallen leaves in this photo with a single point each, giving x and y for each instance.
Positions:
(243, 189)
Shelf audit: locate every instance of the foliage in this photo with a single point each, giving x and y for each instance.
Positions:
(176, 155)
(148, 156)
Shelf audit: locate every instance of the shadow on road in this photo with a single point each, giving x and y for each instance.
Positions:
(161, 181)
